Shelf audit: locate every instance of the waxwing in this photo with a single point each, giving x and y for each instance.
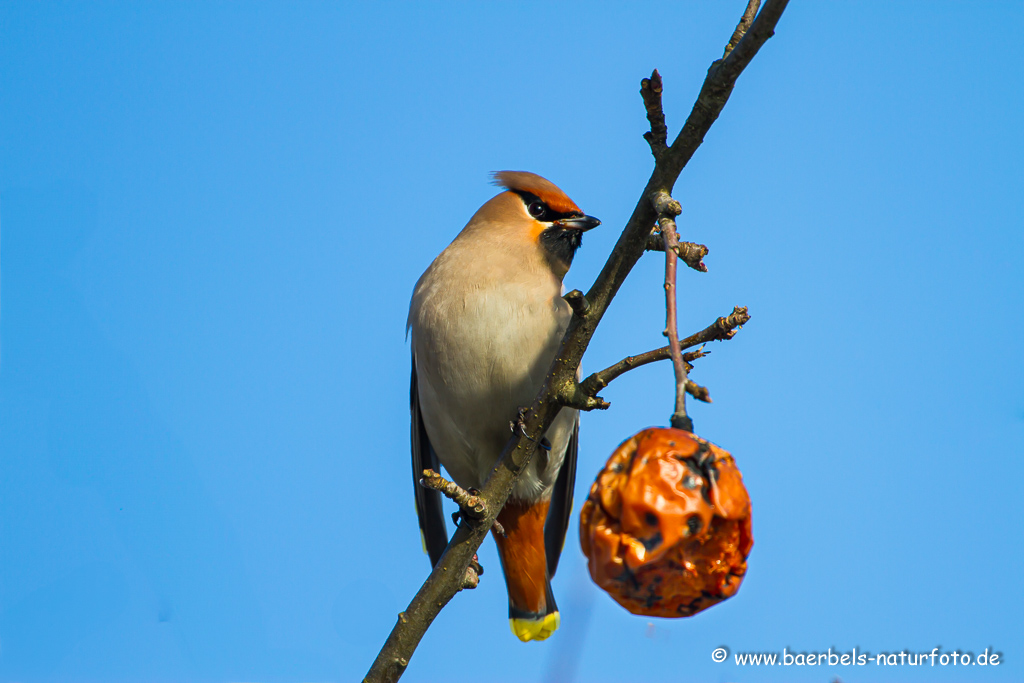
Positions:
(486, 320)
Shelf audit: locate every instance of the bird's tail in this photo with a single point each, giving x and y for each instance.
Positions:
(532, 612)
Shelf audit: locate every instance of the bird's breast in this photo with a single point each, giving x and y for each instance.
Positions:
(489, 343)
(484, 334)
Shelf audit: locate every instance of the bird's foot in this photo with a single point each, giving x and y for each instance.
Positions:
(519, 427)
(496, 526)
(471, 505)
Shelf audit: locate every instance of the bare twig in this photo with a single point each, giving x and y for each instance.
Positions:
(561, 386)
(722, 329)
(690, 253)
(657, 137)
(697, 391)
(667, 208)
(691, 356)
(715, 92)
(741, 28)
(599, 380)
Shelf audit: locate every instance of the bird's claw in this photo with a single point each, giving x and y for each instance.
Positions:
(496, 526)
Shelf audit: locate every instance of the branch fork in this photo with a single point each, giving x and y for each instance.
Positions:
(722, 329)
(665, 236)
(573, 395)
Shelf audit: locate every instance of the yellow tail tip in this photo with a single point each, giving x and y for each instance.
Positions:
(535, 629)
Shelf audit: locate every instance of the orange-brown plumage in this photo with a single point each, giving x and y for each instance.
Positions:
(522, 554)
(549, 193)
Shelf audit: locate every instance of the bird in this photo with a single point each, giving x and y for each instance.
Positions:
(485, 322)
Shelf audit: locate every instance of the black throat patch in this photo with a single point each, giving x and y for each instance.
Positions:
(560, 243)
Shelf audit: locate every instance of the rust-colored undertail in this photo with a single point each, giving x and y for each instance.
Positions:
(532, 612)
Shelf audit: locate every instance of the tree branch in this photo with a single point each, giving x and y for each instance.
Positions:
(667, 208)
(715, 92)
(720, 330)
(448, 576)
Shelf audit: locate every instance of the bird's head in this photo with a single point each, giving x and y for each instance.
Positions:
(539, 212)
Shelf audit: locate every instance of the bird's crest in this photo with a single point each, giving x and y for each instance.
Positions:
(549, 193)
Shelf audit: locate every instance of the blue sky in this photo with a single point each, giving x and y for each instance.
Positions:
(212, 217)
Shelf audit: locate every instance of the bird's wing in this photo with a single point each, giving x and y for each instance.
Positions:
(428, 501)
(561, 502)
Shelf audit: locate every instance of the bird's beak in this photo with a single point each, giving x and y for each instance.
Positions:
(581, 223)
